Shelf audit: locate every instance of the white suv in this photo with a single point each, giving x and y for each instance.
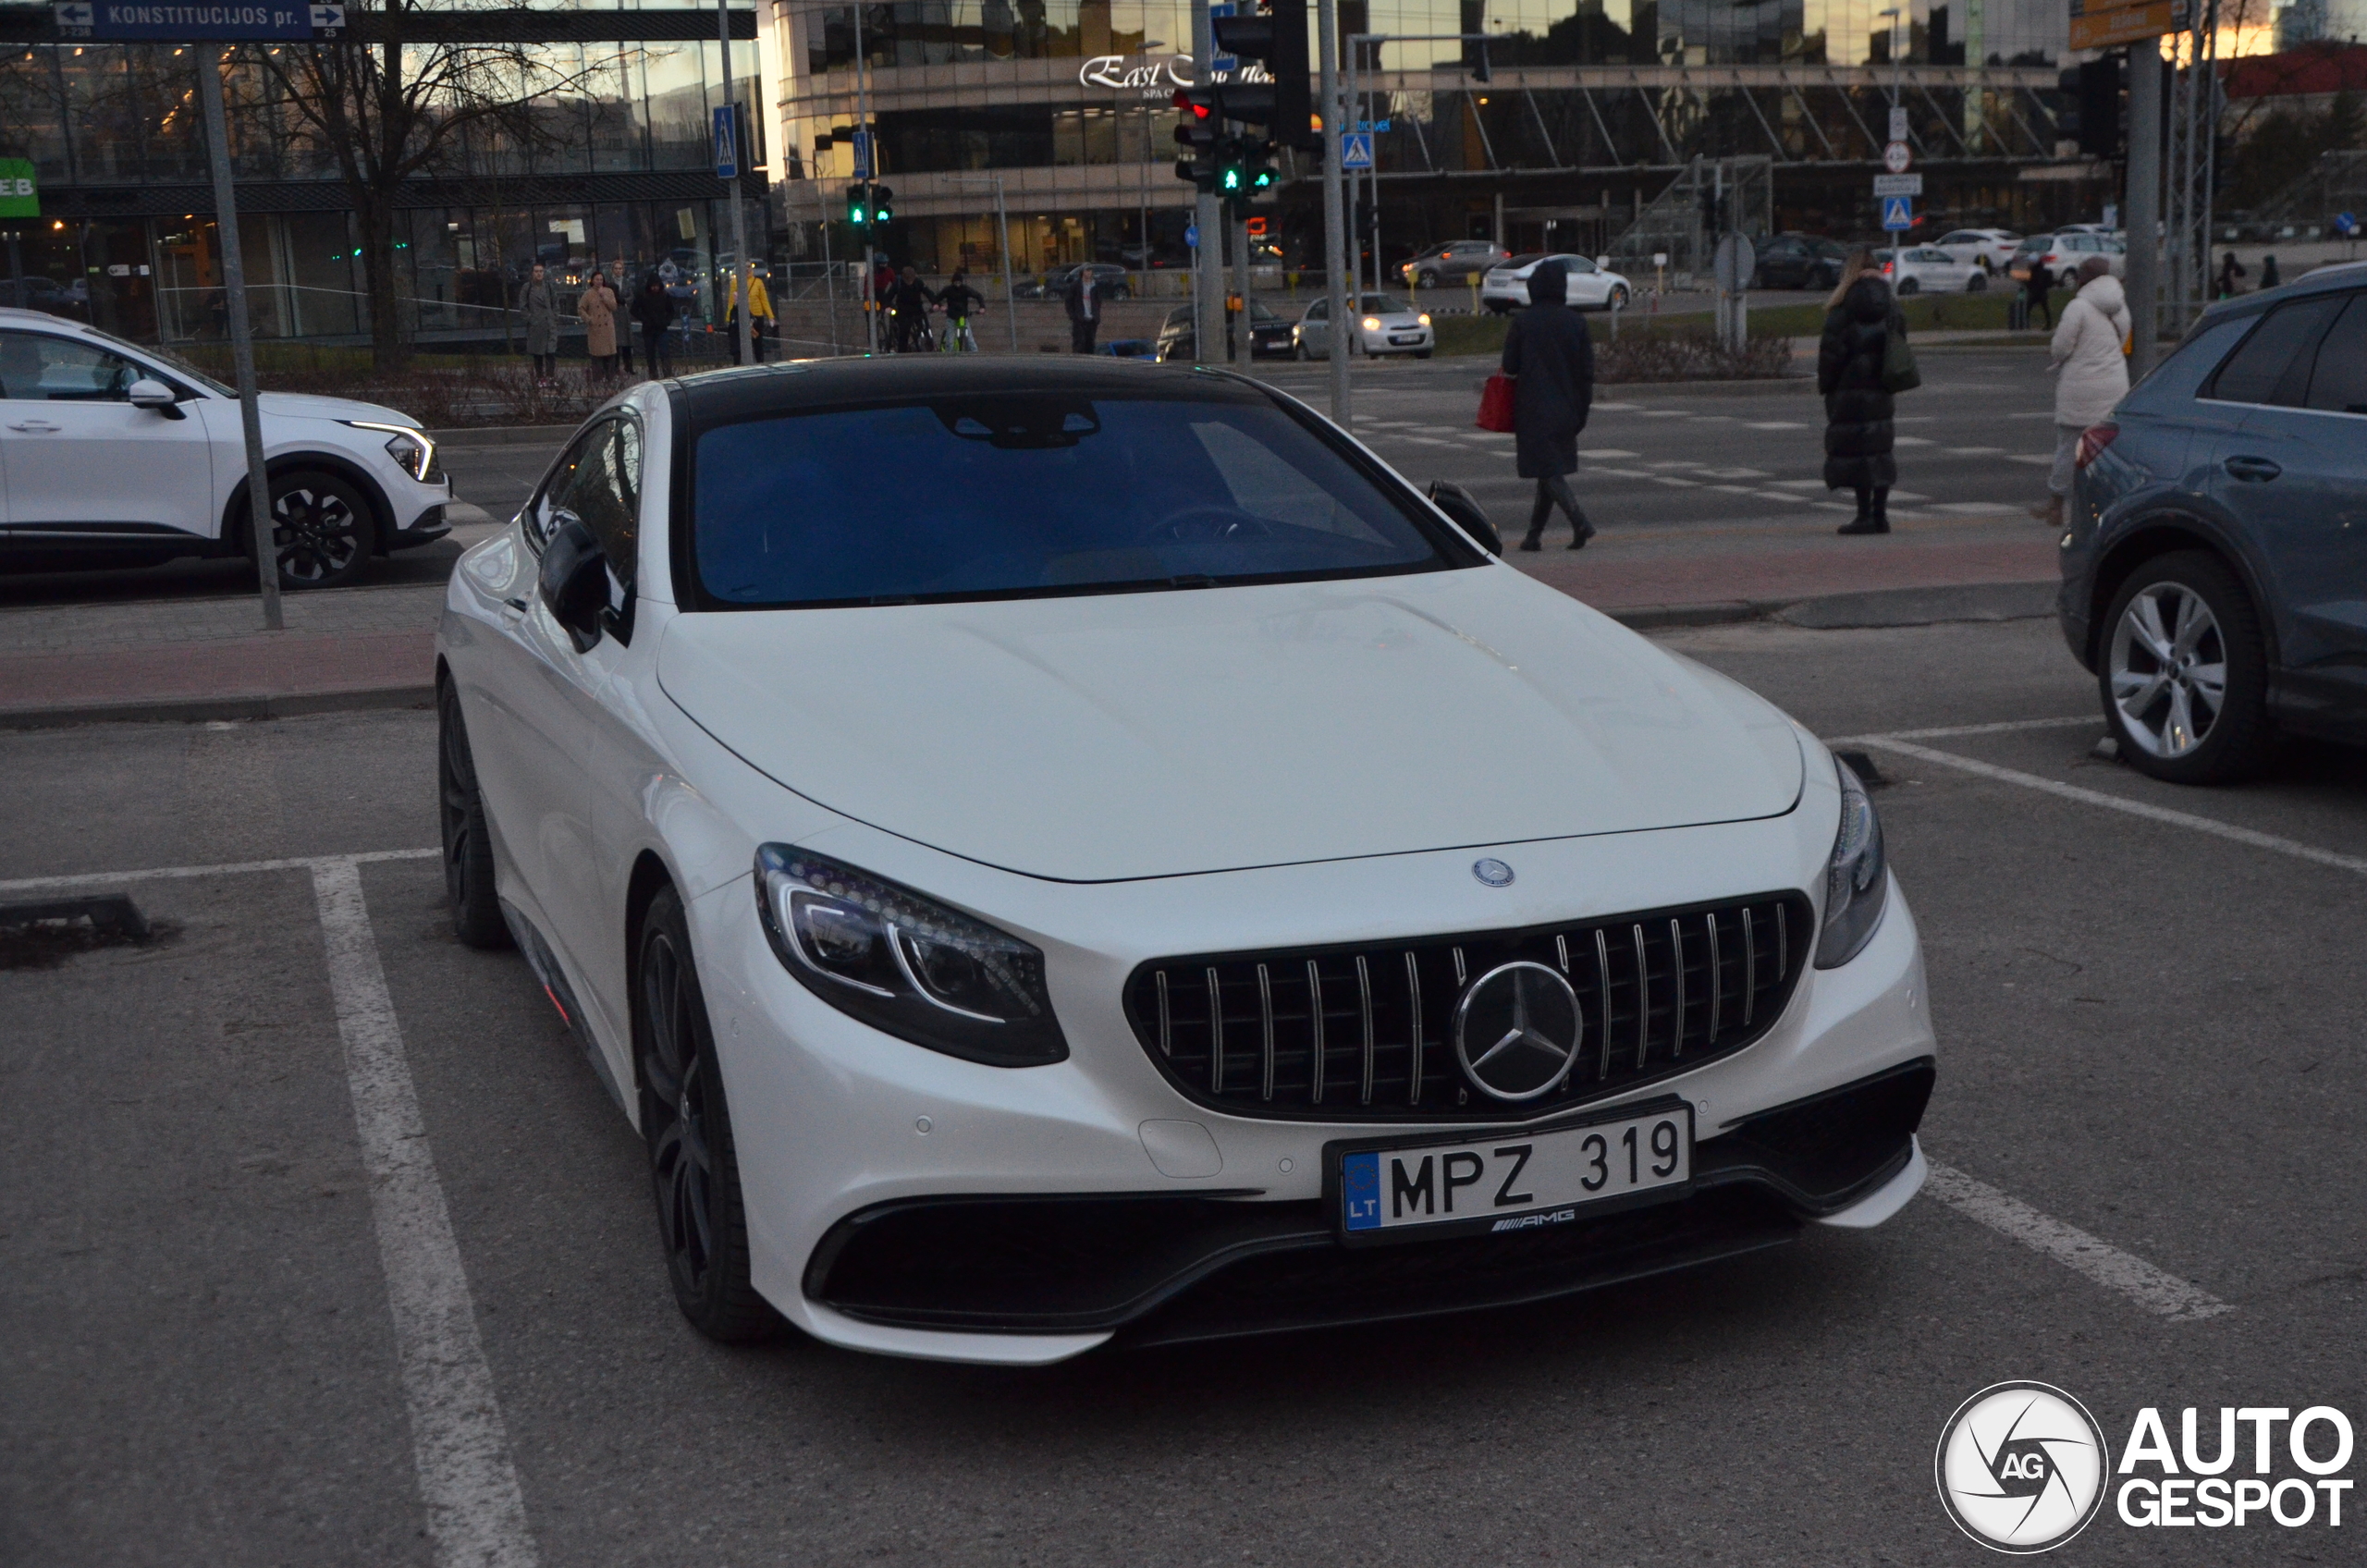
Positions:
(119, 455)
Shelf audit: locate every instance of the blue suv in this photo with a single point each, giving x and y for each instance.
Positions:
(2214, 566)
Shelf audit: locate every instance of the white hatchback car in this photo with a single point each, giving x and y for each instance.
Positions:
(1590, 287)
(1989, 249)
(119, 454)
(1006, 834)
(1384, 326)
(1926, 269)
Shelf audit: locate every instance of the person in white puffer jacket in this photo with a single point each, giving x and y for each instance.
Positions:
(2091, 370)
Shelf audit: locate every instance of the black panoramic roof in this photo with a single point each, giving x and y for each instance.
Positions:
(724, 396)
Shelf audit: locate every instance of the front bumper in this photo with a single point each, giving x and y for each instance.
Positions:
(1160, 1270)
(906, 1203)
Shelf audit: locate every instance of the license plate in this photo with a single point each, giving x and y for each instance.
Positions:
(1513, 1182)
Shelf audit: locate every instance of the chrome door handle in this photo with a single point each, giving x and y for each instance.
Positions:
(35, 425)
(2258, 470)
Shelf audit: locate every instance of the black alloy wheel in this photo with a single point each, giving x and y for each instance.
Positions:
(468, 845)
(321, 527)
(692, 1168)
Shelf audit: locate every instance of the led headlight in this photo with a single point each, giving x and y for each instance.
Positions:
(906, 964)
(1857, 882)
(410, 448)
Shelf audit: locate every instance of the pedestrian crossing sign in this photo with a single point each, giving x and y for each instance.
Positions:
(1898, 214)
(1355, 149)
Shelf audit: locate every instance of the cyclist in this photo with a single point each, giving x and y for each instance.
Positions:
(959, 300)
(908, 305)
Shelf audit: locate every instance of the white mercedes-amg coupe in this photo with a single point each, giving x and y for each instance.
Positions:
(1056, 853)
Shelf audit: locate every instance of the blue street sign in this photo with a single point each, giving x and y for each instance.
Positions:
(1355, 149)
(1381, 126)
(2345, 223)
(1192, 235)
(1898, 214)
(138, 20)
(1222, 64)
(726, 144)
(862, 155)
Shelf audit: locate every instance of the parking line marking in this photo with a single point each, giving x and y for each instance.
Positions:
(232, 868)
(1947, 730)
(2177, 1300)
(476, 1514)
(2233, 834)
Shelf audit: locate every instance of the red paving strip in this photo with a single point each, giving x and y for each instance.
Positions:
(1611, 581)
(296, 672)
(285, 666)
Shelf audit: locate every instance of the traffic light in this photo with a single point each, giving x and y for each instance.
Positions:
(883, 204)
(2100, 82)
(858, 205)
(1276, 37)
(1199, 133)
(1245, 171)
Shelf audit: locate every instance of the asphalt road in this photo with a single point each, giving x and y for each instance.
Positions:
(2147, 1025)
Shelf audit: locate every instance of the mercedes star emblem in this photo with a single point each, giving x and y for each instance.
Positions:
(1517, 1031)
(1494, 872)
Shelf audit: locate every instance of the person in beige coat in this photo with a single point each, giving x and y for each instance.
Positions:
(2091, 372)
(598, 306)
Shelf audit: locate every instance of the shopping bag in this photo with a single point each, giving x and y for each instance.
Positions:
(1496, 405)
(1899, 371)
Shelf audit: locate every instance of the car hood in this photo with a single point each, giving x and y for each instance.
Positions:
(304, 405)
(1111, 737)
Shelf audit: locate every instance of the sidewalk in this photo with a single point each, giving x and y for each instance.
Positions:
(375, 647)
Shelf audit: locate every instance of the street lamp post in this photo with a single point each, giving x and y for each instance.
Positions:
(742, 286)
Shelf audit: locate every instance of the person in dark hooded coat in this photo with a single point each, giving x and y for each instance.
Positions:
(1550, 356)
(1859, 321)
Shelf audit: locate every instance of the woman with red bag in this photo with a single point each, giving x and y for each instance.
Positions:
(1550, 356)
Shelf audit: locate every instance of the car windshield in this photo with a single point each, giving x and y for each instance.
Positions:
(1024, 494)
(1383, 305)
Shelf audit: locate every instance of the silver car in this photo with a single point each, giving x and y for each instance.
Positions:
(1384, 324)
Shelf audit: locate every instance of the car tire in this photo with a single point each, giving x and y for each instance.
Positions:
(468, 842)
(1617, 299)
(1304, 357)
(322, 528)
(686, 1125)
(1426, 279)
(2143, 710)
(1421, 353)
(1908, 286)
(1977, 284)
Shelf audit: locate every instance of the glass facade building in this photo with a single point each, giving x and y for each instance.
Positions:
(608, 156)
(1589, 105)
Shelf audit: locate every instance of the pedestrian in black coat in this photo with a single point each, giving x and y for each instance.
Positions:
(1859, 321)
(1550, 355)
(653, 307)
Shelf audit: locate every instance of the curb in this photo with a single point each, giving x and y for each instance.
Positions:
(1720, 612)
(198, 710)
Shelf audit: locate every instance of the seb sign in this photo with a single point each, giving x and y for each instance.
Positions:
(19, 198)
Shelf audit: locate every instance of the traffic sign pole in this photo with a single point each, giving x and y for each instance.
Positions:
(1335, 220)
(727, 132)
(242, 343)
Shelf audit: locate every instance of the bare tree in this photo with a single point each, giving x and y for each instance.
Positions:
(391, 102)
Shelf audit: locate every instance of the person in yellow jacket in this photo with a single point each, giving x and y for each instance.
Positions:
(760, 313)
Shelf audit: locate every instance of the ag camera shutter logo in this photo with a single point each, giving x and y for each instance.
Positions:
(2021, 1467)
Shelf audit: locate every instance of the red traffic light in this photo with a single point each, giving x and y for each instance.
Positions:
(1200, 108)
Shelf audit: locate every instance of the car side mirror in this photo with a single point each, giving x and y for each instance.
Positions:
(573, 582)
(1457, 503)
(150, 392)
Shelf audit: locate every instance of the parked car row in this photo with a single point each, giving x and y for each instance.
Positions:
(1385, 325)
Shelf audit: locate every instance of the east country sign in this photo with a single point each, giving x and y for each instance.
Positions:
(132, 20)
(1154, 77)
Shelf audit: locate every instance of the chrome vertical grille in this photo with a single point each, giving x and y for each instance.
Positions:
(1362, 1032)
